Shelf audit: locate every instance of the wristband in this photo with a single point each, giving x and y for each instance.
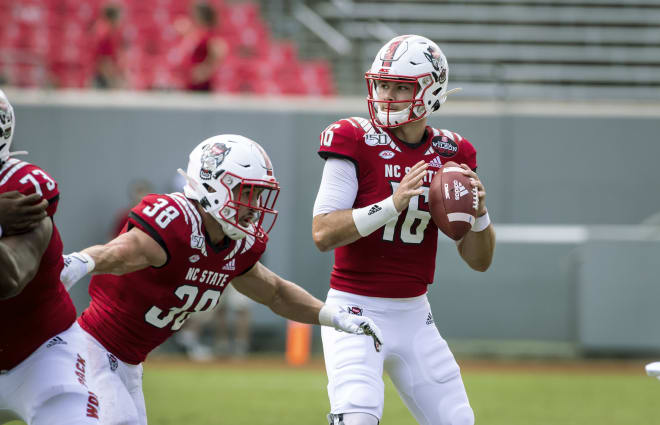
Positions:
(481, 223)
(372, 217)
(325, 316)
(0, 230)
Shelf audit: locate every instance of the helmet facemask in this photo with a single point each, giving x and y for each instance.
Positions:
(258, 197)
(229, 175)
(381, 111)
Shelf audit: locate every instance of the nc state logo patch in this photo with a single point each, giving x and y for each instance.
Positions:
(354, 310)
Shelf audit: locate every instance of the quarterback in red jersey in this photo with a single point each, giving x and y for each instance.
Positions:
(372, 208)
(176, 256)
(43, 352)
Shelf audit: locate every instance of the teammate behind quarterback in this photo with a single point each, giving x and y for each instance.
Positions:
(175, 257)
(372, 209)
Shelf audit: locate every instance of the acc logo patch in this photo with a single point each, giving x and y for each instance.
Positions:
(444, 146)
(386, 154)
(194, 258)
(354, 310)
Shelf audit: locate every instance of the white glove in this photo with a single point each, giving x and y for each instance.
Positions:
(341, 320)
(76, 265)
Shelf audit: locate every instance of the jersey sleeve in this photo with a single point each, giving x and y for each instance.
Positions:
(28, 179)
(468, 153)
(340, 140)
(251, 251)
(160, 217)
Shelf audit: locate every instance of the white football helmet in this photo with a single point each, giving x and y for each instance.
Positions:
(220, 165)
(408, 59)
(7, 125)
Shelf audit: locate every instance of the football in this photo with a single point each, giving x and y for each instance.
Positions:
(453, 201)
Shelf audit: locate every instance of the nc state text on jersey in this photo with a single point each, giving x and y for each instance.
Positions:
(207, 277)
(394, 170)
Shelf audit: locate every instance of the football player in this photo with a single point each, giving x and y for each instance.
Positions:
(372, 208)
(43, 357)
(176, 256)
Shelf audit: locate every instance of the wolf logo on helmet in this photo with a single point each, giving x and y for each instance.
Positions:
(7, 124)
(212, 157)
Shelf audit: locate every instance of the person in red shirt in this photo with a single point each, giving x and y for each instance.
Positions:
(43, 353)
(204, 49)
(372, 208)
(176, 257)
(108, 72)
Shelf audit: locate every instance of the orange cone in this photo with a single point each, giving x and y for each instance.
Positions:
(298, 343)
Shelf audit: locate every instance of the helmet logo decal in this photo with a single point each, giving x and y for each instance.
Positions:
(434, 57)
(212, 157)
(388, 56)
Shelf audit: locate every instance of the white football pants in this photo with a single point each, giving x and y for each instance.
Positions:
(414, 355)
(53, 385)
(119, 386)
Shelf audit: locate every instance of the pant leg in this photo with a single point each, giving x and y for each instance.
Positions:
(427, 377)
(54, 384)
(113, 379)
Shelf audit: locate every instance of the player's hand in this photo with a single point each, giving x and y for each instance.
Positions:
(481, 190)
(351, 323)
(411, 185)
(20, 213)
(76, 265)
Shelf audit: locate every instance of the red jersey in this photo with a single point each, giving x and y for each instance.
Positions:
(397, 260)
(43, 309)
(130, 315)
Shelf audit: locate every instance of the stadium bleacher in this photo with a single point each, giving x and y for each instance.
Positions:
(48, 43)
(567, 49)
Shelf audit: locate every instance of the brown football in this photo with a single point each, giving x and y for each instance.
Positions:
(453, 201)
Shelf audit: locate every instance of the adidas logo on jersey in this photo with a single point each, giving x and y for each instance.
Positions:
(459, 190)
(55, 341)
(429, 319)
(230, 265)
(374, 209)
(436, 162)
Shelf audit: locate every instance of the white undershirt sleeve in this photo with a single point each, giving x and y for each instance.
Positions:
(339, 186)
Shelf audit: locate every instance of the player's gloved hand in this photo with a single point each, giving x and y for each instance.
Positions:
(341, 320)
(76, 265)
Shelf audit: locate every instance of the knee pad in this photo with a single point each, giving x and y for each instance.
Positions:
(462, 415)
(356, 418)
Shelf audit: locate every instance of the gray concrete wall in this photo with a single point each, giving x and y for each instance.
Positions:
(538, 168)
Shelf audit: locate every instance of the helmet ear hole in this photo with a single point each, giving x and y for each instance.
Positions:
(209, 188)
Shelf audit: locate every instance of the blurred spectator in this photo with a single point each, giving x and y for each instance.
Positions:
(107, 49)
(229, 325)
(203, 49)
(137, 190)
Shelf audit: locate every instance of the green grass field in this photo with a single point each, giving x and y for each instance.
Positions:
(264, 391)
(272, 394)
